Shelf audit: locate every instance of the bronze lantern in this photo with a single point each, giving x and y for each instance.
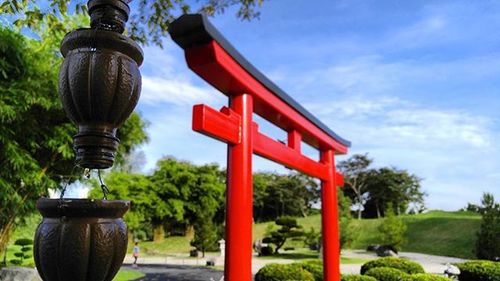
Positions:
(80, 239)
(100, 82)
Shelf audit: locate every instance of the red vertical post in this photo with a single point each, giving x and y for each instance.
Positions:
(329, 220)
(238, 260)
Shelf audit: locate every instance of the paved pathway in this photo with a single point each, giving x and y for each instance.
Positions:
(177, 273)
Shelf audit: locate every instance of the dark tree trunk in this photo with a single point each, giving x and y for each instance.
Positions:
(158, 232)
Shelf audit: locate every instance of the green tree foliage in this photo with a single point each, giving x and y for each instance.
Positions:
(139, 190)
(392, 186)
(348, 231)
(25, 250)
(355, 171)
(392, 229)
(178, 193)
(373, 189)
(206, 235)
(312, 239)
(283, 195)
(289, 229)
(488, 237)
(36, 151)
(149, 20)
(191, 190)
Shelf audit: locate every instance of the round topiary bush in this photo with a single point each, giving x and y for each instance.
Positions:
(427, 277)
(316, 269)
(281, 272)
(387, 274)
(357, 278)
(404, 265)
(479, 271)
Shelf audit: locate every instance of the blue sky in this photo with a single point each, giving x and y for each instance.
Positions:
(415, 84)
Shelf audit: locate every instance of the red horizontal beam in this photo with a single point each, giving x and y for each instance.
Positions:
(339, 179)
(224, 125)
(276, 151)
(218, 68)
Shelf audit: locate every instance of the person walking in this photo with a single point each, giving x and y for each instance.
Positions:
(135, 253)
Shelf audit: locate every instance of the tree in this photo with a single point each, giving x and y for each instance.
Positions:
(283, 195)
(26, 248)
(391, 186)
(289, 229)
(205, 236)
(355, 171)
(488, 237)
(36, 151)
(172, 182)
(149, 20)
(392, 229)
(145, 202)
(191, 191)
(347, 230)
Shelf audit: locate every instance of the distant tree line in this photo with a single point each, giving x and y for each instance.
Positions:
(179, 197)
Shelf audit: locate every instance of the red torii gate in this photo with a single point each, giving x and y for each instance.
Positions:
(214, 59)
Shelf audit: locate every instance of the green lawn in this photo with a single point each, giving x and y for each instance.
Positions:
(127, 275)
(436, 232)
(306, 254)
(174, 244)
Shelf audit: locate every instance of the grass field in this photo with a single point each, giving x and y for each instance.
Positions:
(127, 275)
(436, 232)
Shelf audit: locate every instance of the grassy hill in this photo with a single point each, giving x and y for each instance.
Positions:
(436, 232)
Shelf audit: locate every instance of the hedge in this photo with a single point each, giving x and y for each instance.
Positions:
(479, 270)
(282, 272)
(316, 269)
(427, 277)
(387, 274)
(404, 265)
(357, 278)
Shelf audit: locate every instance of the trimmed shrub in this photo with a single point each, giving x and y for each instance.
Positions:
(281, 272)
(316, 269)
(387, 274)
(357, 278)
(266, 251)
(479, 270)
(404, 265)
(428, 277)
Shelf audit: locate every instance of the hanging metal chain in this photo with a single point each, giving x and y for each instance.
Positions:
(71, 175)
(104, 188)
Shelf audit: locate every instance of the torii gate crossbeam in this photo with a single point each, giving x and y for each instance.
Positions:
(213, 58)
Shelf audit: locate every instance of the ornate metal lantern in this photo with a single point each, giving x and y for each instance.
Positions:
(99, 81)
(80, 238)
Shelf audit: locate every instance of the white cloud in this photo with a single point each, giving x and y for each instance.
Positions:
(175, 91)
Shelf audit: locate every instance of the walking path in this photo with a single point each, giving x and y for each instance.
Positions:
(181, 268)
